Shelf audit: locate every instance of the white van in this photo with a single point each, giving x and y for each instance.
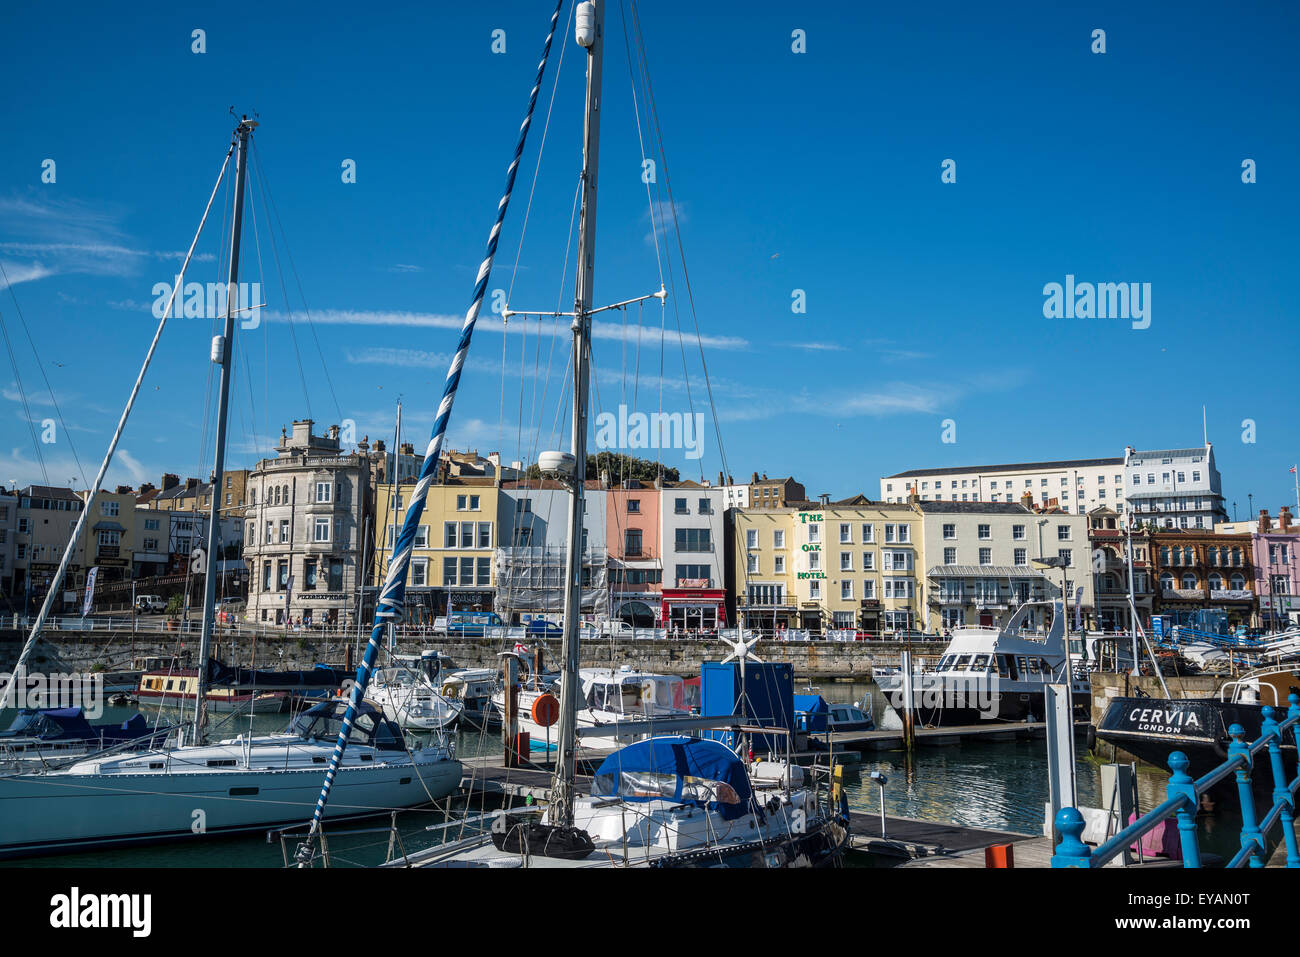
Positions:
(150, 604)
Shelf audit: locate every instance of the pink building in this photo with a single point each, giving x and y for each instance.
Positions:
(1277, 573)
(635, 564)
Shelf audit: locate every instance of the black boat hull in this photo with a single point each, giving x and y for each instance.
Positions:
(1152, 728)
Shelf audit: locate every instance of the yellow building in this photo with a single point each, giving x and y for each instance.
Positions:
(840, 566)
(764, 569)
(452, 558)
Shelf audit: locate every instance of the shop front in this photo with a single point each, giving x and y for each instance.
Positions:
(693, 609)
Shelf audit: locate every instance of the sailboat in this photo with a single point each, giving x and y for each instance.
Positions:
(663, 801)
(249, 782)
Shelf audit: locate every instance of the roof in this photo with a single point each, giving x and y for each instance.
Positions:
(983, 571)
(1013, 467)
(974, 508)
(50, 491)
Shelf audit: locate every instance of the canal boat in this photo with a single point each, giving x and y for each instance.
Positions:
(246, 783)
(991, 674)
(176, 689)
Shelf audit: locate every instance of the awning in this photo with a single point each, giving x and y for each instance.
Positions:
(983, 571)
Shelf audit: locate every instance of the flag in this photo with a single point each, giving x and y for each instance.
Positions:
(1292, 468)
(90, 591)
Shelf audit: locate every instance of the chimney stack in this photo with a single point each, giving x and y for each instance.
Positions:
(1284, 519)
(1027, 500)
(1264, 523)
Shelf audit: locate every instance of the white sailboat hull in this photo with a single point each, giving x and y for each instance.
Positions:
(62, 811)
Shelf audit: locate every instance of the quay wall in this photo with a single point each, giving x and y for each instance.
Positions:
(68, 651)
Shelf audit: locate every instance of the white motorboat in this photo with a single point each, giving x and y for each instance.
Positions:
(247, 783)
(991, 674)
(408, 694)
(608, 696)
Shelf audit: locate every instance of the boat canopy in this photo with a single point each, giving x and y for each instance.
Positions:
(322, 722)
(69, 724)
(677, 768)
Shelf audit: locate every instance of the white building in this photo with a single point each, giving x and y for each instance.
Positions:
(304, 522)
(532, 548)
(1174, 488)
(1076, 485)
(692, 533)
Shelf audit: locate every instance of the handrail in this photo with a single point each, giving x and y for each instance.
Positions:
(1183, 798)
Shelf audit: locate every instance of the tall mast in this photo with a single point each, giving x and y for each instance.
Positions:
(394, 485)
(590, 22)
(222, 348)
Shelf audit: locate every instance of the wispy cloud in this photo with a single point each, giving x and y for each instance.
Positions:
(815, 346)
(430, 320)
(405, 267)
(70, 236)
(15, 273)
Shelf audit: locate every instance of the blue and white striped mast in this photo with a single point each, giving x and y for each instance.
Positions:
(392, 595)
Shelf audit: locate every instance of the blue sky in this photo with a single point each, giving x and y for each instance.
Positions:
(817, 171)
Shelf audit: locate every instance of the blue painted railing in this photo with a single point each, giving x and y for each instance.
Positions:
(1183, 796)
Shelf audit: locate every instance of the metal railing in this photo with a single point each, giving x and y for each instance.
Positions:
(1183, 798)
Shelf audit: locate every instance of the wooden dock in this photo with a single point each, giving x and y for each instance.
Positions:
(939, 737)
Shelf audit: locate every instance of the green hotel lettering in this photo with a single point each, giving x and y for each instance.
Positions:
(810, 574)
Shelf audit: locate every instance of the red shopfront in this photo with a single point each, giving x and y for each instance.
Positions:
(694, 609)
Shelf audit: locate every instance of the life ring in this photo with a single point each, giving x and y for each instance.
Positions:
(546, 710)
(450, 691)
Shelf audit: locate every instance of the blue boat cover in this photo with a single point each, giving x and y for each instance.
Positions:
(811, 704)
(677, 768)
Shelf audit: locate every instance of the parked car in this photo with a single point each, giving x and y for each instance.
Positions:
(541, 628)
(150, 604)
(473, 624)
(610, 628)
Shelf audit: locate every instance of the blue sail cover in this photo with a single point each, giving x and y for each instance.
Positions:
(677, 768)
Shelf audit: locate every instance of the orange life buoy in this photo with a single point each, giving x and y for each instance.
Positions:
(546, 710)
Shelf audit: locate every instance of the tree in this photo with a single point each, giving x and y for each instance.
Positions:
(621, 468)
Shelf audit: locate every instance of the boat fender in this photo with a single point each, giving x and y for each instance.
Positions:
(1092, 738)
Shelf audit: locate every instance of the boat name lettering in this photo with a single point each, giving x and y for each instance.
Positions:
(1159, 719)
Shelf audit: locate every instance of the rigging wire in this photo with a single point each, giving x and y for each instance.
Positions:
(288, 254)
(54, 401)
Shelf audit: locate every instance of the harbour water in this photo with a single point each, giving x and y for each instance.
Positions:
(997, 785)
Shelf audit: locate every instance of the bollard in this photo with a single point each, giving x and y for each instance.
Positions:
(1181, 785)
(1000, 856)
(1250, 835)
(1071, 852)
(1282, 793)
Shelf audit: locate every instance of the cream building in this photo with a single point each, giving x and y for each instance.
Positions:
(979, 560)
